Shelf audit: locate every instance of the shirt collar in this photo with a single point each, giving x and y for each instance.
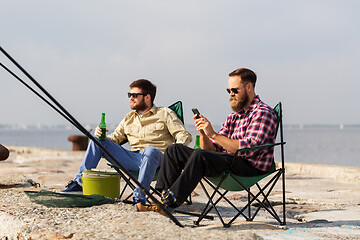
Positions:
(153, 109)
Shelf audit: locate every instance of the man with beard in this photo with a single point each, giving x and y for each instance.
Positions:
(148, 130)
(252, 123)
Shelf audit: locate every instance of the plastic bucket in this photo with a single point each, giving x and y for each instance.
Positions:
(101, 183)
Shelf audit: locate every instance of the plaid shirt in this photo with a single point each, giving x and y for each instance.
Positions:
(254, 127)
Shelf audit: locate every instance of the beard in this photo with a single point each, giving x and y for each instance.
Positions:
(238, 103)
(140, 106)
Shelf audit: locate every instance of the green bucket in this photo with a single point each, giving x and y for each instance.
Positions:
(101, 183)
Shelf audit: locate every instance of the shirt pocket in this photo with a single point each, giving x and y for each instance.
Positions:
(155, 127)
(130, 130)
(159, 126)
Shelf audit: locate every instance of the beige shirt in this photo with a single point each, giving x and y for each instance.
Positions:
(159, 127)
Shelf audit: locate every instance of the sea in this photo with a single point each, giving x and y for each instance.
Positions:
(321, 144)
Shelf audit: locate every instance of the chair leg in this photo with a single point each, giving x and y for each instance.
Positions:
(127, 183)
(197, 222)
(266, 200)
(249, 207)
(255, 197)
(283, 193)
(123, 190)
(222, 196)
(272, 211)
(207, 209)
(188, 201)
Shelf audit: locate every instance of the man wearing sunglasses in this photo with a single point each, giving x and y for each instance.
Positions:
(148, 130)
(252, 123)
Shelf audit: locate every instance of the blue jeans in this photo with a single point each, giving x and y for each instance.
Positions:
(145, 162)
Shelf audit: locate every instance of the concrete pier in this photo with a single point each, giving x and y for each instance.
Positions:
(323, 202)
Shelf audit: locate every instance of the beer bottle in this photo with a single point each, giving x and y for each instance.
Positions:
(102, 125)
(197, 142)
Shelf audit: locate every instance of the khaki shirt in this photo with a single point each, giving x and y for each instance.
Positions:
(159, 127)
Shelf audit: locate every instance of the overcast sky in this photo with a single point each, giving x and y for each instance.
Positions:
(86, 53)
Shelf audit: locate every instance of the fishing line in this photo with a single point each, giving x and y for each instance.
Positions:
(83, 130)
(35, 92)
(68, 115)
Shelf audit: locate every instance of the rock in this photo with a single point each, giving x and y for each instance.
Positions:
(4, 153)
(79, 142)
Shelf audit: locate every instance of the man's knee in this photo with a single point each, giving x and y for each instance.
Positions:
(196, 158)
(173, 148)
(152, 151)
(199, 154)
(204, 161)
(152, 154)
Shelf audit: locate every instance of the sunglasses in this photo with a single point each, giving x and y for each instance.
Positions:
(234, 90)
(135, 95)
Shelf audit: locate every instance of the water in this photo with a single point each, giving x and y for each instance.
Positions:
(322, 145)
(55, 139)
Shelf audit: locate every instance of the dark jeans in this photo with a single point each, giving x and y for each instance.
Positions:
(183, 168)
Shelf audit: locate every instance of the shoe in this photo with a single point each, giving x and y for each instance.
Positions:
(73, 186)
(168, 198)
(148, 208)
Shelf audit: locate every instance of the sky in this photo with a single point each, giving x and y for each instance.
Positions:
(85, 53)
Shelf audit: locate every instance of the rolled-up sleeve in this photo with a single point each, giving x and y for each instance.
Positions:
(118, 136)
(177, 129)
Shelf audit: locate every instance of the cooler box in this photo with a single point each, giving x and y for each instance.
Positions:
(101, 183)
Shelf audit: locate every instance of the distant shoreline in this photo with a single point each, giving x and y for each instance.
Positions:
(7, 127)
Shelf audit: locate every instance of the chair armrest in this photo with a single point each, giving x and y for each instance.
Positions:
(258, 147)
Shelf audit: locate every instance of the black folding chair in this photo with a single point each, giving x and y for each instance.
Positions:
(230, 182)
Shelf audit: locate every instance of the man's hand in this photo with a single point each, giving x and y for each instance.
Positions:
(205, 129)
(206, 132)
(204, 126)
(98, 131)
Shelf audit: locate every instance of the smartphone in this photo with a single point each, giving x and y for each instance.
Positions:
(196, 112)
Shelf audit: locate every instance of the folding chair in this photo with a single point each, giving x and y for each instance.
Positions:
(231, 182)
(178, 109)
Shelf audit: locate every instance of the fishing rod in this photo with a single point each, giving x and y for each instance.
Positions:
(78, 126)
(44, 99)
(84, 131)
(35, 92)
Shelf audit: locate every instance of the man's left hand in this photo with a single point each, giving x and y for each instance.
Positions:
(204, 126)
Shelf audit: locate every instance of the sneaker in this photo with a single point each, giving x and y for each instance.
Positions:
(73, 186)
(148, 208)
(168, 198)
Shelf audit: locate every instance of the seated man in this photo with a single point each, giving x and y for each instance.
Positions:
(148, 129)
(252, 123)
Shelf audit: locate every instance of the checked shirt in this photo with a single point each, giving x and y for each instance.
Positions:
(256, 126)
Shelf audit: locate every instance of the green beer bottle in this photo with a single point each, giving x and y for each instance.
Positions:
(102, 125)
(197, 142)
